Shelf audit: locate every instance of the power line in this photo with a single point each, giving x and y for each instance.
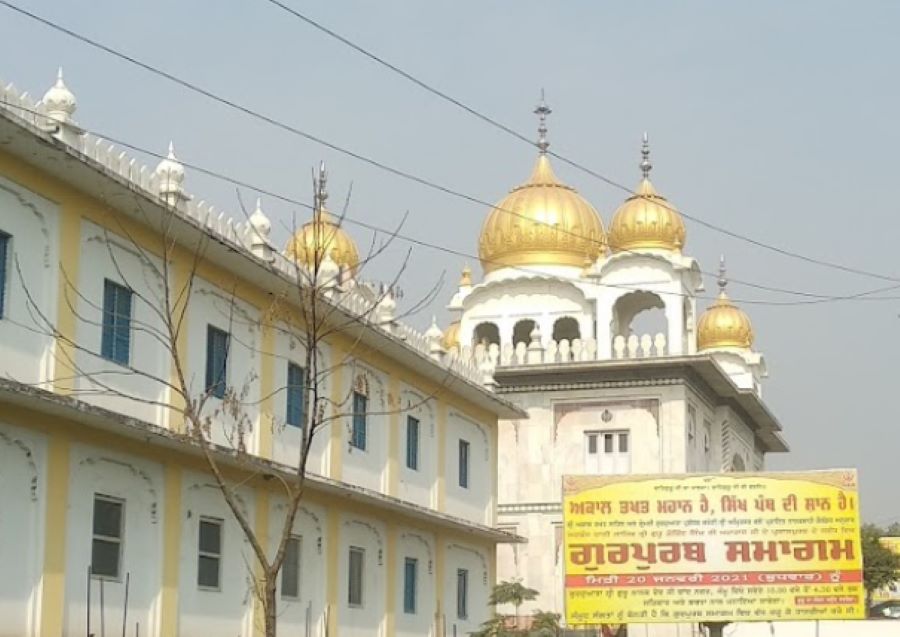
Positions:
(510, 131)
(860, 296)
(401, 173)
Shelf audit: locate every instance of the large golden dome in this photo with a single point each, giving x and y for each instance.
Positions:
(541, 222)
(723, 324)
(323, 235)
(646, 219)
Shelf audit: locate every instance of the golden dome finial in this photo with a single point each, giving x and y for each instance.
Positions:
(723, 324)
(723, 278)
(646, 220)
(542, 111)
(321, 190)
(646, 166)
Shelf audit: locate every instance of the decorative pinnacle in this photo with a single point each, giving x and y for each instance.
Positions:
(723, 279)
(542, 111)
(321, 190)
(171, 154)
(466, 278)
(646, 166)
(59, 77)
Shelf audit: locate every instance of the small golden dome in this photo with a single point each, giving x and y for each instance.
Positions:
(723, 324)
(646, 219)
(541, 222)
(323, 235)
(451, 336)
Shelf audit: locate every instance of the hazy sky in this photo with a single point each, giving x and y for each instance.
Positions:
(775, 120)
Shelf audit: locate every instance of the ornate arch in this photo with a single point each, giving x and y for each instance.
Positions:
(371, 529)
(421, 540)
(18, 444)
(477, 554)
(134, 471)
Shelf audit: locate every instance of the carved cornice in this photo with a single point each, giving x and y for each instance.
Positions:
(529, 507)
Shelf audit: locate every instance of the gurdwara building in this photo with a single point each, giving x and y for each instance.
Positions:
(594, 331)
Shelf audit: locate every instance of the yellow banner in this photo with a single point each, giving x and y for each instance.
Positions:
(702, 548)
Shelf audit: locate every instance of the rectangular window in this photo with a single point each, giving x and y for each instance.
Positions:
(209, 561)
(290, 569)
(106, 547)
(464, 464)
(115, 339)
(410, 575)
(412, 443)
(360, 406)
(607, 452)
(462, 593)
(355, 587)
(296, 395)
(4, 258)
(216, 360)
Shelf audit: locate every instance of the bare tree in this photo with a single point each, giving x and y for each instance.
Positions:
(322, 297)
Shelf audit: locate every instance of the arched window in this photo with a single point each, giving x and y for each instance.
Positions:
(737, 464)
(487, 333)
(639, 312)
(522, 331)
(566, 328)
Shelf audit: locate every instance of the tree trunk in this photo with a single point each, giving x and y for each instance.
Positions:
(269, 597)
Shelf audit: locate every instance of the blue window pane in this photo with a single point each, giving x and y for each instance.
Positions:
(464, 464)
(296, 395)
(412, 442)
(4, 257)
(410, 574)
(115, 340)
(216, 361)
(360, 406)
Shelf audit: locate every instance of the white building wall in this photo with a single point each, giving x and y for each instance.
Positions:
(418, 485)
(304, 615)
(32, 283)
(22, 494)
(472, 502)
(368, 619)
(366, 468)
(105, 255)
(213, 306)
(138, 482)
(420, 546)
(473, 560)
(287, 440)
(226, 610)
(538, 563)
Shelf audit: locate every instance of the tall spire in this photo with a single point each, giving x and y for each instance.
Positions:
(723, 278)
(646, 166)
(542, 111)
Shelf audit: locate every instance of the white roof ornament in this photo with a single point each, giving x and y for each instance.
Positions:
(260, 228)
(434, 332)
(60, 105)
(170, 173)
